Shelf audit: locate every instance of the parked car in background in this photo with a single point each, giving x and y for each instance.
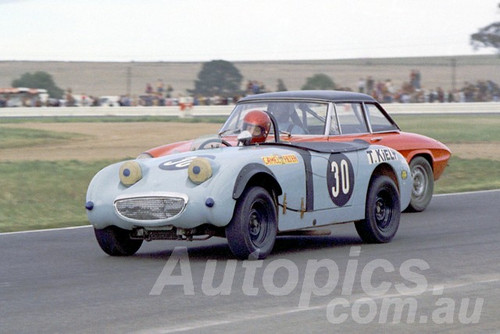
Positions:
(333, 116)
(23, 97)
(109, 101)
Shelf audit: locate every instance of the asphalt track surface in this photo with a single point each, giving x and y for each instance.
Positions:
(442, 270)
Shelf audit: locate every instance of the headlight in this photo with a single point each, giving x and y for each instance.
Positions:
(130, 173)
(199, 170)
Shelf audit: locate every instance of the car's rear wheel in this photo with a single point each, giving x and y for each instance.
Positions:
(382, 211)
(423, 184)
(116, 241)
(252, 231)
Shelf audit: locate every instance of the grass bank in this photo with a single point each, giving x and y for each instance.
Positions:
(453, 128)
(44, 194)
(111, 119)
(18, 138)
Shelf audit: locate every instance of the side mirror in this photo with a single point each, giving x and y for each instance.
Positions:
(244, 138)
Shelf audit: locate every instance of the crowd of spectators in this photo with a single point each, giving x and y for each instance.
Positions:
(411, 91)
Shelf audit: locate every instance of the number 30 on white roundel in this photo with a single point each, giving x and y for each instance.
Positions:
(340, 179)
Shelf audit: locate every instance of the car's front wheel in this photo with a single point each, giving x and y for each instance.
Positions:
(423, 184)
(116, 241)
(252, 231)
(382, 211)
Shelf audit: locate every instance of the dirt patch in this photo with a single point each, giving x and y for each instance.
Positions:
(106, 140)
(121, 140)
(489, 151)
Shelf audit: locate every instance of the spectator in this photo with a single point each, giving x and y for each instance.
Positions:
(70, 100)
(160, 87)
(361, 85)
(369, 85)
(415, 78)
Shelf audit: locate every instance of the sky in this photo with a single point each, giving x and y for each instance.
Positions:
(239, 30)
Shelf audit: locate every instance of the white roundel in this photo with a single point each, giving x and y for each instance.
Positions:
(340, 179)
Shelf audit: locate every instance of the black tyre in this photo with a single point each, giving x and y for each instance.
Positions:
(116, 241)
(252, 231)
(382, 212)
(423, 184)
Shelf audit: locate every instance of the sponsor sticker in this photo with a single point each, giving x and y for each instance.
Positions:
(380, 155)
(280, 159)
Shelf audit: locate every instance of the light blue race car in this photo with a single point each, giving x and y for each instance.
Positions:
(249, 193)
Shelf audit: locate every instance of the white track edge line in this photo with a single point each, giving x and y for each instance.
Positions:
(86, 226)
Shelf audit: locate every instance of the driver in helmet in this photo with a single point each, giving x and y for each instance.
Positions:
(258, 123)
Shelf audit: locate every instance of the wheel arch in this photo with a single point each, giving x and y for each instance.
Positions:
(424, 154)
(387, 170)
(256, 175)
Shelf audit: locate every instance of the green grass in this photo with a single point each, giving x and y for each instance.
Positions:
(469, 175)
(453, 128)
(43, 194)
(461, 174)
(18, 138)
(107, 119)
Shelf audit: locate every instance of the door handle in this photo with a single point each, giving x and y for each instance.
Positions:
(376, 139)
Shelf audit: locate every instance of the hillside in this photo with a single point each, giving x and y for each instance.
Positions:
(114, 78)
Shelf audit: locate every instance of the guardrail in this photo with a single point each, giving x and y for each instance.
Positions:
(199, 111)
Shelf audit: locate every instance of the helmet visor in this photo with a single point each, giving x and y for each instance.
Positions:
(255, 130)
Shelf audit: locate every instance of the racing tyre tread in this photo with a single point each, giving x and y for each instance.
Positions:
(382, 211)
(252, 231)
(115, 241)
(423, 186)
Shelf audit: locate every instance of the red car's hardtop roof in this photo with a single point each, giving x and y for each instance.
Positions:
(325, 95)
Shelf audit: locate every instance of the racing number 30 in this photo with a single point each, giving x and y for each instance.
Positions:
(340, 179)
(343, 180)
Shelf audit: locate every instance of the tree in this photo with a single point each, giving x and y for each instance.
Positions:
(319, 81)
(487, 37)
(39, 79)
(218, 77)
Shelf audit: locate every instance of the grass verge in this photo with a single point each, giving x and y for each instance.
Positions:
(453, 128)
(18, 138)
(469, 175)
(110, 119)
(43, 194)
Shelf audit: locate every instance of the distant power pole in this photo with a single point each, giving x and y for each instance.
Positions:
(129, 79)
(453, 73)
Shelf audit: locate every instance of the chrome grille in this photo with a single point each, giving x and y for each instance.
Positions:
(150, 208)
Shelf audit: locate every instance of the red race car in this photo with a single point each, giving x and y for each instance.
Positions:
(328, 116)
